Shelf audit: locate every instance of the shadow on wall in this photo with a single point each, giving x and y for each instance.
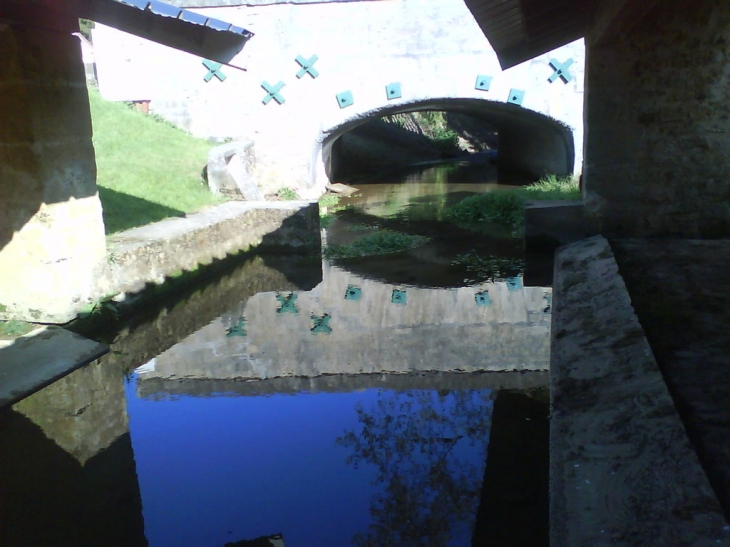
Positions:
(122, 211)
(46, 154)
(384, 144)
(529, 142)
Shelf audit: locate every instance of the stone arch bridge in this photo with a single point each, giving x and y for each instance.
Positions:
(315, 70)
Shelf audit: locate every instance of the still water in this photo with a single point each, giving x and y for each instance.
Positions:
(392, 400)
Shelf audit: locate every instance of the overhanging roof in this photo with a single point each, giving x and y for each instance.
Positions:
(175, 27)
(522, 29)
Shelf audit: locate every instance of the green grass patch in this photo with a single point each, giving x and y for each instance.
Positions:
(13, 329)
(506, 207)
(552, 187)
(147, 170)
(376, 243)
(501, 207)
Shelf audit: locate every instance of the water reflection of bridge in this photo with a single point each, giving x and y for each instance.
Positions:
(372, 334)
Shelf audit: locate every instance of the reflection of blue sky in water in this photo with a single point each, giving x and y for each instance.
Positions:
(218, 469)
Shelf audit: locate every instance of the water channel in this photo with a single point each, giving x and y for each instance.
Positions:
(386, 400)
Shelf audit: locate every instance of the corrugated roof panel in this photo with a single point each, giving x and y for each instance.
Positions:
(166, 10)
(172, 26)
(521, 29)
(195, 18)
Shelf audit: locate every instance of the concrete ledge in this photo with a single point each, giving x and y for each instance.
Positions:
(150, 253)
(550, 224)
(39, 358)
(622, 471)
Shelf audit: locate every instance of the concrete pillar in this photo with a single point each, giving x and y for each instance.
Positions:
(52, 244)
(657, 142)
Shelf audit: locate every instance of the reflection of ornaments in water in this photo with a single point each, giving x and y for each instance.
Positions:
(237, 329)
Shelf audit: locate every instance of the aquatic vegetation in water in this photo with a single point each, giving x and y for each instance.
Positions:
(506, 207)
(489, 268)
(376, 243)
(328, 200)
(502, 207)
(360, 228)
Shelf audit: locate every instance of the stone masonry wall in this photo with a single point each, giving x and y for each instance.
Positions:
(51, 230)
(657, 150)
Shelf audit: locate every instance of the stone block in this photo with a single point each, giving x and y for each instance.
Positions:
(230, 171)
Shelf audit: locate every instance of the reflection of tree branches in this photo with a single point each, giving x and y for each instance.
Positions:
(420, 443)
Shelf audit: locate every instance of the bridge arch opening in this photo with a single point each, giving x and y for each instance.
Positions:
(529, 143)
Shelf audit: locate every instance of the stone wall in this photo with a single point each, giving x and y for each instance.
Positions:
(51, 230)
(657, 151)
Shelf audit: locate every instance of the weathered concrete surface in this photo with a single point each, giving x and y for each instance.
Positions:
(333, 383)
(681, 292)
(622, 470)
(657, 150)
(51, 230)
(434, 49)
(551, 224)
(151, 253)
(229, 171)
(39, 358)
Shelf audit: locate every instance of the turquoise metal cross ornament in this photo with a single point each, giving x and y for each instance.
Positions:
(561, 70)
(272, 92)
(307, 66)
(321, 324)
(214, 69)
(287, 304)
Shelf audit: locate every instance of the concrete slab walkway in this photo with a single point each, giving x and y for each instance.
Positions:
(623, 471)
(680, 290)
(33, 361)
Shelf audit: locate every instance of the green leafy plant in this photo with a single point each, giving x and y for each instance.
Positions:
(553, 187)
(328, 200)
(377, 243)
(286, 194)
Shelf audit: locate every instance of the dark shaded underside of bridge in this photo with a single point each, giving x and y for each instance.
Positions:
(529, 142)
(522, 29)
